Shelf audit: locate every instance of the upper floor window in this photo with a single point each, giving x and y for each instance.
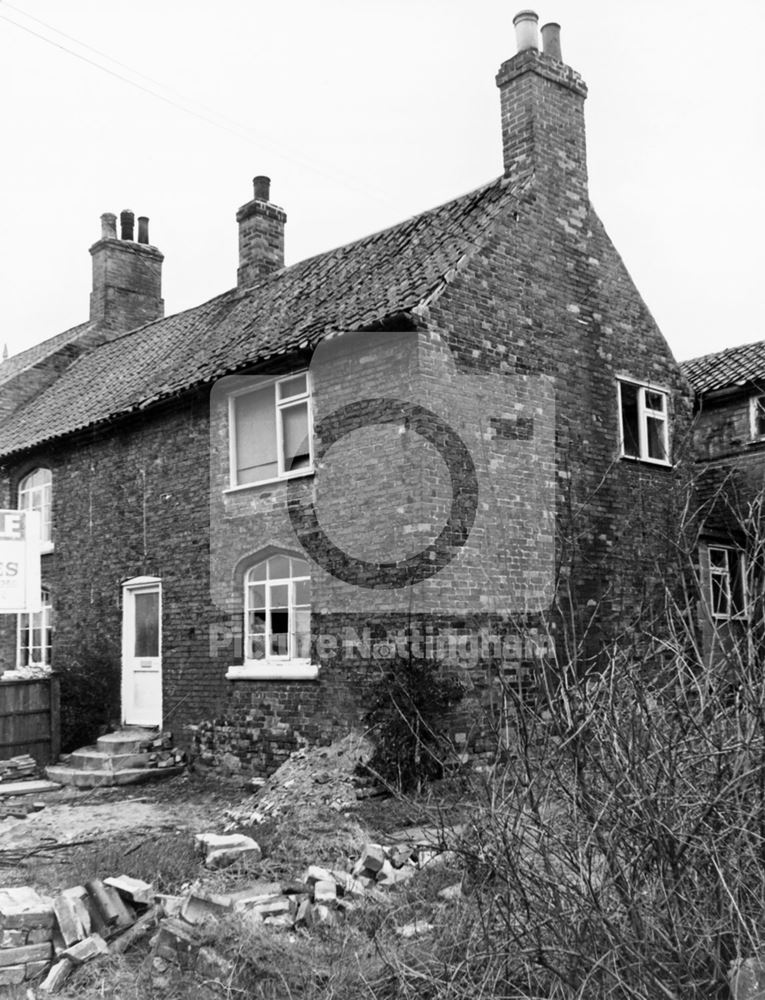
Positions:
(277, 610)
(33, 648)
(727, 579)
(644, 422)
(757, 417)
(270, 427)
(35, 493)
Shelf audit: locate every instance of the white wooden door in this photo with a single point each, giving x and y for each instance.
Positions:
(142, 652)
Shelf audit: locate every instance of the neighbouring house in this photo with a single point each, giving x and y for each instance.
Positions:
(449, 439)
(729, 455)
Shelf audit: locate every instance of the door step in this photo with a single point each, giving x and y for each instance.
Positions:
(79, 778)
(126, 757)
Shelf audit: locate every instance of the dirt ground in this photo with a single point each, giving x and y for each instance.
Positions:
(314, 810)
(76, 816)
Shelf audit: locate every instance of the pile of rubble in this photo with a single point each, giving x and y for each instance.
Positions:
(311, 779)
(322, 895)
(16, 768)
(55, 935)
(73, 927)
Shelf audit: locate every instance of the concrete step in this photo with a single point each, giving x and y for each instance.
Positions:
(125, 741)
(91, 759)
(88, 778)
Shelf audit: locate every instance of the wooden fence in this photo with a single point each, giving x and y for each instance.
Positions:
(30, 719)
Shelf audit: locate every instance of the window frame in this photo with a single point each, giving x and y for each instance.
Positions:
(756, 406)
(644, 414)
(728, 578)
(45, 615)
(273, 666)
(280, 406)
(25, 500)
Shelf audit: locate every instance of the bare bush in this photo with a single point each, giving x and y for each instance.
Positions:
(617, 850)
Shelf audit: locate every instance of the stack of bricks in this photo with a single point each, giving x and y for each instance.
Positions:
(26, 934)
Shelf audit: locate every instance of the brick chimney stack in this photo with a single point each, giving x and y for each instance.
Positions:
(261, 235)
(542, 104)
(127, 275)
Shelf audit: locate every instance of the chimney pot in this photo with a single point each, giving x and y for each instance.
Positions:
(127, 223)
(143, 229)
(108, 226)
(262, 187)
(551, 41)
(526, 35)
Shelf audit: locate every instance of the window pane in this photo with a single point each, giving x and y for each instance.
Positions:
(292, 387)
(280, 596)
(759, 416)
(278, 567)
(303, 592)
(258, 572)
(256, 647)
(256, 595)
(147, 624)
(300, 567)
(302, 633)
(256, 621)
(737, 584)
(279, 633)
(718, 559)
(255, 434)
(655, 435)
(655, 400)
(719, 594)
(630, 433)
(295, 437)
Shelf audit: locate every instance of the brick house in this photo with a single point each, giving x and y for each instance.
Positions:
(442, 439)
(729, 457)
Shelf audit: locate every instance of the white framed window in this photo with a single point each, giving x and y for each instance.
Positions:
(277, 620)
(644, 422)
(727, 581)
(34, 635)
(757, 417)
(270, 428)
(36, 493)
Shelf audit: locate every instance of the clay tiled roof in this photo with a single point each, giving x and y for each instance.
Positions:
(357, 286)
(34, 355)
(735, 366)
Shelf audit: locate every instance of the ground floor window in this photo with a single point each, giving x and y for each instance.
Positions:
(727, 578)
(35, 632)
(277, 615)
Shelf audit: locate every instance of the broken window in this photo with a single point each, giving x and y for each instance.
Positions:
(727, 578)
(643, 414)
(277, 605)
(271, 431)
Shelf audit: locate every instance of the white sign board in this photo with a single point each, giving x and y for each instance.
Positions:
(19, 561)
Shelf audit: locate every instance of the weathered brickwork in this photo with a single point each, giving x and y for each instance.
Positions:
(490, 407)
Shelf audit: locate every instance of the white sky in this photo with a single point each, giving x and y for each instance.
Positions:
(364, 112)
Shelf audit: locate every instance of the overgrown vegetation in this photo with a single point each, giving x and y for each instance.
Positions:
(617, 846)
(410, 704)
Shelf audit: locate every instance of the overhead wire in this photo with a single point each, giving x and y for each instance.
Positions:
(218, 121)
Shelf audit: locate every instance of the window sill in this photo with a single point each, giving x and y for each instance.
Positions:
(303, 474)
(295, 671)
(662, 464)
(46, 548)
(32, 672)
